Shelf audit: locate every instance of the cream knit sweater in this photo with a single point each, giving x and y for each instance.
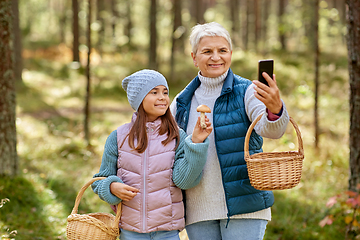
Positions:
(206, 201)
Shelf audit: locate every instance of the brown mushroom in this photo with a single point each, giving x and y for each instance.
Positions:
(203, 109)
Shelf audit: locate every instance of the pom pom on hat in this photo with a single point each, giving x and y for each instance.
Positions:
(140, 83)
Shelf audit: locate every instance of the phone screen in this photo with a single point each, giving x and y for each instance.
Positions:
(265, 66)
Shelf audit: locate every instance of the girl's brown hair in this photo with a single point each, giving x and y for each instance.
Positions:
(138, 130)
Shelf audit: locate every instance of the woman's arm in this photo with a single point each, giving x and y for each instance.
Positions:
(273, 126)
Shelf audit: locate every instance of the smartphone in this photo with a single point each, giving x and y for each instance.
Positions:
(265, 66)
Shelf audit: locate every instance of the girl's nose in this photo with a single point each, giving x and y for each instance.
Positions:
(161, 96)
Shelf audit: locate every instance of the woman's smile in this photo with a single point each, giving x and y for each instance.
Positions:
(215, 65)
(213, 56)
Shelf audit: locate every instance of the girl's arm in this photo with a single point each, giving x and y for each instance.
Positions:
(108, 169)
(190, 159)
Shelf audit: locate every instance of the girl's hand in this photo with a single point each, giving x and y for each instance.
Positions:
(200, 134)
(123, 191)
(269, 95)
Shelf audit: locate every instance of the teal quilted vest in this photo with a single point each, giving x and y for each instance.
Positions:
(230, 123)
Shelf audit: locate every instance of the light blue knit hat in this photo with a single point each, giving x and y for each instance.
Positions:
(140, 83)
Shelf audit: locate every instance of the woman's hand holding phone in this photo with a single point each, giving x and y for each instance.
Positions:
(269, 95)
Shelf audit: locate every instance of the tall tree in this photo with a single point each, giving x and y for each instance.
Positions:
(257, 24)
(317, 63)
(101, 21)
(129, 22)
(153, 36)
(353, 45)
(88, 77)
(61, 8)
(235, 19)
(282, 4)
(18, 66)
(8, 155)
(115, 16)
(246, 23)
(198, 8)
(75, 10)
(177, 34)
(265, 13)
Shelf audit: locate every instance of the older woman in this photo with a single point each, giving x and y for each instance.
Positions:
(224, 205)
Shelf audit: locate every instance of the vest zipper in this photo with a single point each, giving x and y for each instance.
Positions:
(144, 193)
(144, 181)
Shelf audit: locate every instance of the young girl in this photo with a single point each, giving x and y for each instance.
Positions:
(149, 160)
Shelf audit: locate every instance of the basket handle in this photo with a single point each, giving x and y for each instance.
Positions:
(248, 134)
(80, 194)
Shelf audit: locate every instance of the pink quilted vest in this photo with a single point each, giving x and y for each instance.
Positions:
(158, 206)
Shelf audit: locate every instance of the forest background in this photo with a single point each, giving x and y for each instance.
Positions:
(66, 107)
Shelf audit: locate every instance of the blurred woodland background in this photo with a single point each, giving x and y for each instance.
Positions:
(61, 66)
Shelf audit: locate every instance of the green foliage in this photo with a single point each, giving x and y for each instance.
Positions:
(344, 209)
(5, 231)
(25, 212)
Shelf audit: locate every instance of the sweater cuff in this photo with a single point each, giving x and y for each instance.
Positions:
(105, 193)
(272, 116)
(197, 147)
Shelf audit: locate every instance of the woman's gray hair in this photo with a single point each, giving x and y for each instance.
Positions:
(207, 30)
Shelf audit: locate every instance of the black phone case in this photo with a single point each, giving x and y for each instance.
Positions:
(265, 66)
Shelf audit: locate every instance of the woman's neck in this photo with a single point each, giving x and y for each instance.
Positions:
(211, 85)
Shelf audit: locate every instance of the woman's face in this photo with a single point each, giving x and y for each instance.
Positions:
(213, 56)
(156, 102)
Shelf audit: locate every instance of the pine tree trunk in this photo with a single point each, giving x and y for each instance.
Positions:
(8, 155)
(317, 57)
(62, 9)
(281, 24)
(246, 25)
(353, 44)
(18, 66)
(257, 24)
(197, 10)
(115, 16)
(177, 35)
(235, 19)
(129, 23)
(265, 13)
(100, 19)
(88, 87)
(75, 9)
(153, 36)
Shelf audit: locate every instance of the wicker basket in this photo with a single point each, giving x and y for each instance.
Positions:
(274, 170)
(104, 226)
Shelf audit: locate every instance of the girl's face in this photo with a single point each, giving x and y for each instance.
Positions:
(213, 56)
(156, 102)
